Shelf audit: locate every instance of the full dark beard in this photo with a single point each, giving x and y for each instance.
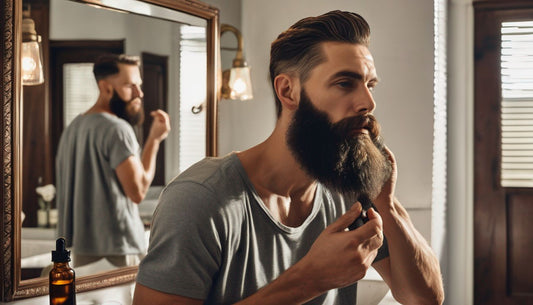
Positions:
(354, 165)
(120, 108)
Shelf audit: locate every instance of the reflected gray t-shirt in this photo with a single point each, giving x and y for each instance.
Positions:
(95, 215)
(212, 238)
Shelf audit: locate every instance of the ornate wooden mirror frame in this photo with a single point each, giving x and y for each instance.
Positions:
(11, 153)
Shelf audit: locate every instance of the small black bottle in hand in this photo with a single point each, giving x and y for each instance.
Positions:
(366, 204)
(62, 277)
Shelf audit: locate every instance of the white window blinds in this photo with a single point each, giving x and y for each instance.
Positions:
(517, 104)
(79, 90)
(193, 73)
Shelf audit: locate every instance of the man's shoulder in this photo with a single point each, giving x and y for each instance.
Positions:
(109, 120)
(209, 170)
(211, 175)
(98, 121)
(213, 181)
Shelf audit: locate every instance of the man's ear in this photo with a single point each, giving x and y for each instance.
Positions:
(287, 89)
(105, 88)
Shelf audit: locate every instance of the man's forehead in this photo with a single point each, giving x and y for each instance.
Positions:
(129, 72)
(128, 68)
(355, 49)
(347, 56)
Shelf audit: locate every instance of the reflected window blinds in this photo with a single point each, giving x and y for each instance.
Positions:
(79, 90)
(193, 67)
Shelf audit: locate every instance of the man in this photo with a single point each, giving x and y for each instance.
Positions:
(99, 173)
(269, 225)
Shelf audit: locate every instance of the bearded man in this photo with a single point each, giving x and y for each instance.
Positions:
(101, 175)
(274, 224)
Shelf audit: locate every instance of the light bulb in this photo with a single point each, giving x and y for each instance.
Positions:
(239, 86)
(32, 69)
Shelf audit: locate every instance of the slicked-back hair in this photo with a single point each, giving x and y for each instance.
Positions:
(298, 49)
(107, 64)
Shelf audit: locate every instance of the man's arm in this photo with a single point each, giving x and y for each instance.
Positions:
(412, 271)
(146, 295)
(336, 259)
(136, 175)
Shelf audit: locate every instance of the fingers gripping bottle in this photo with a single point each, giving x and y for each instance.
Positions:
(62, 284)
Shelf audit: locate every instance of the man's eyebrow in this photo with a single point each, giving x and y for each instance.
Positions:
(354, 75)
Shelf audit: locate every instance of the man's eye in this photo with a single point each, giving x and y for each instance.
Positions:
(345, 84)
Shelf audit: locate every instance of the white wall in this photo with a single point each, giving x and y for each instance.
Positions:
(459, 268)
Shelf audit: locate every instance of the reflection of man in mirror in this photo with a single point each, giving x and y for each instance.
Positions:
(291, 220)
(101, 175)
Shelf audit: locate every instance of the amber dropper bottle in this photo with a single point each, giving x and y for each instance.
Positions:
(62, 284)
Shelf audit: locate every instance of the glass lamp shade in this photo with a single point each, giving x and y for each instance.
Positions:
(240, 84)
(31, 63)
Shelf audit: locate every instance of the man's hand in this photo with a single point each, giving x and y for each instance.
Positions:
(385, 198)
(160, 126)
(340, 257)
(412, 271)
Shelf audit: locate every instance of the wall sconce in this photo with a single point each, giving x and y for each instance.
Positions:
(31, 59)
(236, 82)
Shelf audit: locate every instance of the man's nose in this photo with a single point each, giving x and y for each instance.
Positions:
(137, 91)
(364, 102)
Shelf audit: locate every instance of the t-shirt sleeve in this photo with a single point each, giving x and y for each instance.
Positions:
(184, 254)
(121, 144)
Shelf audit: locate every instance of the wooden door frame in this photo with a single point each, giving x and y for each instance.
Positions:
(161, 61)
(491, 223)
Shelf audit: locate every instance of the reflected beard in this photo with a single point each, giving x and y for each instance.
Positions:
(120, 108)
(330, 153)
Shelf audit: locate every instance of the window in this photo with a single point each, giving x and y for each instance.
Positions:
(517, 104)
(79, 90)
(193, 67)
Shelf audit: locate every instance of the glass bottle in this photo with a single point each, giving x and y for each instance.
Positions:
(62, 277)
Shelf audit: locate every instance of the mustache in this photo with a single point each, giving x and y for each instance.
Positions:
(365, 121)
(133, 99)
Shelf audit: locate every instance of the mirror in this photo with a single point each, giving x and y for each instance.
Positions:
(151, 29)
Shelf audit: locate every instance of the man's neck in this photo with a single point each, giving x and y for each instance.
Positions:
(100, 106)
(286, 190)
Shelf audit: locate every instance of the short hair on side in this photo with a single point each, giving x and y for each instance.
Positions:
(297, 50)
(106, 65)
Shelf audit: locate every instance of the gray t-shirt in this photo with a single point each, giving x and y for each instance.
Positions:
(212, 238)
(95, 215)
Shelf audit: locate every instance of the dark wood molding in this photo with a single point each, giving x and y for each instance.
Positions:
(483, 5)
(9, 91)
(35, 131)
(155, 90)
(213, 87)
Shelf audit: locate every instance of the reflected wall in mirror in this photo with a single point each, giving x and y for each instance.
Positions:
(176, 42)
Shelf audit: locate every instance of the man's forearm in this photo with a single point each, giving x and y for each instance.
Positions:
(415, 271)
(148, 160)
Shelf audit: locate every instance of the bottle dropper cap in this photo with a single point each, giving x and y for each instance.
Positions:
(60, 255)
